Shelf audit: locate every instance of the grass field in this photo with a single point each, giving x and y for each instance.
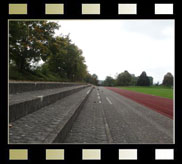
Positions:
(153, 90)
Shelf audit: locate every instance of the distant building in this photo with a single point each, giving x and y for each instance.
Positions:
(151, 80)
(100, 82)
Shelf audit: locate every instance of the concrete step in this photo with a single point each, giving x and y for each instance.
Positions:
(19, 87)
(21, 104)
(51, 123)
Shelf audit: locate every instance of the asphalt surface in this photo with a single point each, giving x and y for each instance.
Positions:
(108, 117)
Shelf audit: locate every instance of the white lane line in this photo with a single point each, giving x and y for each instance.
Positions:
(98, 97)
(108, 100)
(88, 92)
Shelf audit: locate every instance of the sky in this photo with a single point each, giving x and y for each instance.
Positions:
(113, 46)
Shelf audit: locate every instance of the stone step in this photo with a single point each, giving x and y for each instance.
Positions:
(19, 87)
(21, 104)
(51, 123)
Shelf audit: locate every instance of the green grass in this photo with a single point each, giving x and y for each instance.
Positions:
(14, 74)
(152, 90)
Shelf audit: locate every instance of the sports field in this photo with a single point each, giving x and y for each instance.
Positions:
(153, 90)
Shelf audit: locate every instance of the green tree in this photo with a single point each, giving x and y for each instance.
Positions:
(157, 83)
(29, 42)
(88, 78)
(143, 80)
(57, 60)
(133, 80)
(95, 79)
(66, 59)
(92, 79)
(33, 41)
(109, 81)
(124, 79)
(168, 80)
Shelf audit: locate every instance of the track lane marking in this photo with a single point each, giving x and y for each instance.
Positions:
(109, 100)
(88, 91)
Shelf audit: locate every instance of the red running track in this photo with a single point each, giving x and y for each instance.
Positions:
(159, 104)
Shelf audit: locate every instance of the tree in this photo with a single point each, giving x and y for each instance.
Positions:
(88, 78)
(168, 79)
(33, 41)
(143, 80)
(29, 42)
(66, 59)
(157, 83)
(151, 80)
(124, 79)
(95, 79)
(133, 80)
(92, 79)
(109, 81)
(57, 59)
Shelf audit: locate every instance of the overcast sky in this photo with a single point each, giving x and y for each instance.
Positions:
(113, 46)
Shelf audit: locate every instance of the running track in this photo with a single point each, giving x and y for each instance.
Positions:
(159, 104)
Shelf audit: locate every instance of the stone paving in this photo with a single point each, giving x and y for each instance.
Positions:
(25, 96)
(89, 127)
(106, 117)
(35, 127)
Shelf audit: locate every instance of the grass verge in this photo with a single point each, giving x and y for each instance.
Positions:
(14, 74)
(152, 90)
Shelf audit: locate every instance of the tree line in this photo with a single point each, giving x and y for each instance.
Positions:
(127, 79)
(32, 42)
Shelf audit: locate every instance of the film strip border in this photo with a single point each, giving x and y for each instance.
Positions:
(91, 154)
(94, 9)
(91, 9)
